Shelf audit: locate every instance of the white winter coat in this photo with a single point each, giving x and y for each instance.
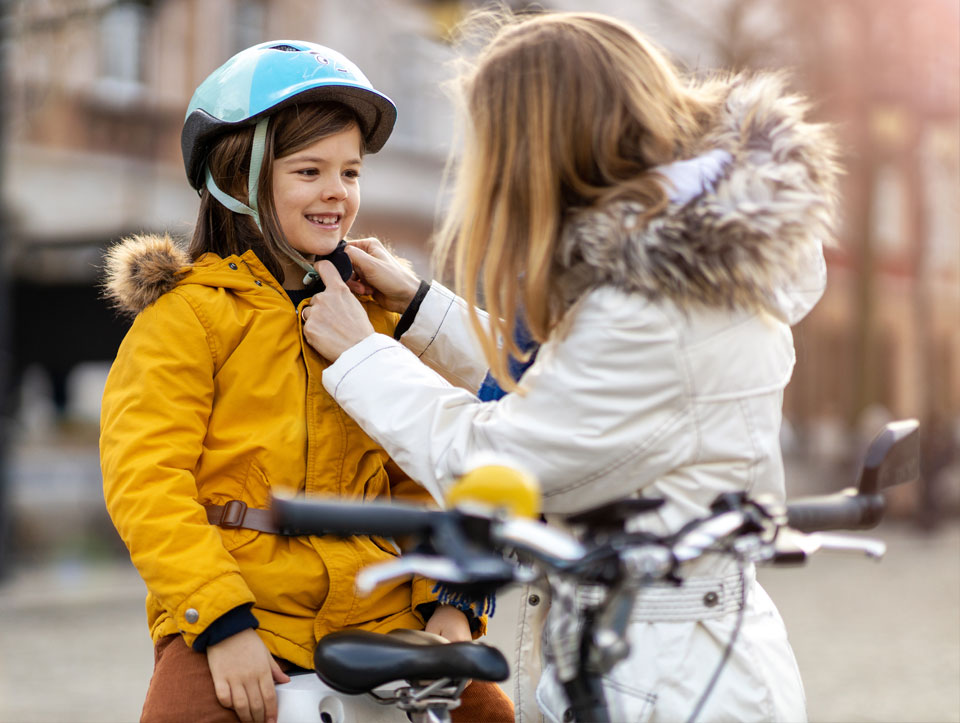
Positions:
(665, 380)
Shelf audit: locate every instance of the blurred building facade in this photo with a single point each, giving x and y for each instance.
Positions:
(96, 91)
(888, 74)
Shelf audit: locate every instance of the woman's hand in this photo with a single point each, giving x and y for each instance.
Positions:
(389, 280)
(450, 623)
(334, 320)
(244, 673)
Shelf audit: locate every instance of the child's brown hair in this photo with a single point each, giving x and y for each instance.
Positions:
(224, 232)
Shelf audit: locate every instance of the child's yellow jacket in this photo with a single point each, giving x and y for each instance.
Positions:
(215, 396)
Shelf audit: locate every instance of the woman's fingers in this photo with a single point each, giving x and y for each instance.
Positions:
(364, 263)
(372, 246)
(359, 288)
(395, 283)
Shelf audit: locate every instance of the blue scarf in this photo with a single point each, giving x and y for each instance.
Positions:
(490, 390)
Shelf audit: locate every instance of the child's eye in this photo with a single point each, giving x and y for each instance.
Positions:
(307, 172)
(352, 173)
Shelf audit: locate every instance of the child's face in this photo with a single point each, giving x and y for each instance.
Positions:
(316, 191)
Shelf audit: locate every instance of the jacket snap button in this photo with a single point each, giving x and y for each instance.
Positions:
(233, 266)
(534, 599)
(191, 615)
(711, 599)
(258, 282)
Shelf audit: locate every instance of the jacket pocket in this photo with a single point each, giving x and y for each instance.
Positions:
(625, 702)
(256, 495)
(385, 544)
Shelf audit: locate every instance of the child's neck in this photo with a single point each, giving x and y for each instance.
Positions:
(293, 273)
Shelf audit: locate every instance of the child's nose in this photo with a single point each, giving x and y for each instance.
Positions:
(334, 188)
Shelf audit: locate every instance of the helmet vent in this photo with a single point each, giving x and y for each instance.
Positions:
(285, 48)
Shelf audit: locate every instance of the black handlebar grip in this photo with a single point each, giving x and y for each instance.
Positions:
(841, 511)
(343, 519)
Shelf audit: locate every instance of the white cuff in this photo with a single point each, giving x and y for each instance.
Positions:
(430, 317)
(355, 356)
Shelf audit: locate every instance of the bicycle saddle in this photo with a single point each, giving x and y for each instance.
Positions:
(357, 661)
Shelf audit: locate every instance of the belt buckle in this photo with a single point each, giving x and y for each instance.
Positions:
(233, 513)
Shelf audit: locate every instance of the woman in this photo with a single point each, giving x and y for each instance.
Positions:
(658, 238)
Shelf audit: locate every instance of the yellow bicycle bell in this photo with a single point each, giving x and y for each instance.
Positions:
(501, 486)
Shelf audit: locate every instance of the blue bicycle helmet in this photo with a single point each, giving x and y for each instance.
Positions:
(257, 82)
(264, 78)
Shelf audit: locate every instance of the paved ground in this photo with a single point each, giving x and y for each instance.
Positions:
(876, 642)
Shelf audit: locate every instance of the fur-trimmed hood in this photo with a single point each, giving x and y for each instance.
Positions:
(140, 269)
(742, 235)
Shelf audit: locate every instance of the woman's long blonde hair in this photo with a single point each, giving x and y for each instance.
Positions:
(561, 111)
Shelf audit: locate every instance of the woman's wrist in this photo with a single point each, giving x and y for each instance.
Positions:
(399, 298)
(413, 286)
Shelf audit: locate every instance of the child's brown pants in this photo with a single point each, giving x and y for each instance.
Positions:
(181, 689)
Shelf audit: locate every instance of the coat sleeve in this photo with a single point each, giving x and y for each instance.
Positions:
(156, 406)
(598, 417)
(442, 338)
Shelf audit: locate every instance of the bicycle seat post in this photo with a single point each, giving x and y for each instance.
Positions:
(431, 702)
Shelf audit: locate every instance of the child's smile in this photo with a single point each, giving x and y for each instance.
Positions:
(316, 192)
(327, 221)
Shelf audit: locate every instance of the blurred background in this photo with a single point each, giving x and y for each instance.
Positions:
(92, 97)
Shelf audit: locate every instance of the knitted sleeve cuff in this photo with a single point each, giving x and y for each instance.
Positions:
(230, 623)
(410, 313)
(427, 610)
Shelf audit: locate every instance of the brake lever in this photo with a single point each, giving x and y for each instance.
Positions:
(546, 544)
(792, 547)
(435, 568)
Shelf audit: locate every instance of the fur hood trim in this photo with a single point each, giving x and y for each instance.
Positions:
(140, 269)
(733, 245)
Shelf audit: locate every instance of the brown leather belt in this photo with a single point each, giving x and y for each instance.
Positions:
(236, 514)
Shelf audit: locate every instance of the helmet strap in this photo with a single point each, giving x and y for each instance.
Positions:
(253, 178)
(253, 187)
(256, 162)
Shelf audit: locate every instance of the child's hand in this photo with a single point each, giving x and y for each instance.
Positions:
(389, 280)
(334, 320)
(243, 675)
(450, 623)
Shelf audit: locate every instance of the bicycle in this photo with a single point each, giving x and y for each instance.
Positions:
(476, 549)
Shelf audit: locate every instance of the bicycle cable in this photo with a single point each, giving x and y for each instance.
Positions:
(727, 652)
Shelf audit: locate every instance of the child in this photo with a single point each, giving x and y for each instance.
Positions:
(214, 401)
(657, 237)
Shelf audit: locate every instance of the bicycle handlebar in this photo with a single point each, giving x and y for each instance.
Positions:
(469, 543)
(319, 517)
(844, 510)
